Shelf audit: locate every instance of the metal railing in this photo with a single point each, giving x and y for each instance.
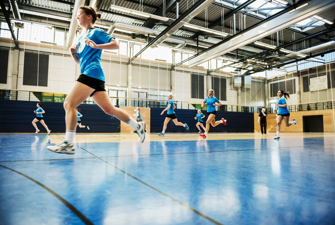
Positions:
(149, 103)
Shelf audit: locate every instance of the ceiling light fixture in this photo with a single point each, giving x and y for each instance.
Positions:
(236, 37)
(265, 45)
(323, 19)
(140, 14)
(298, 7)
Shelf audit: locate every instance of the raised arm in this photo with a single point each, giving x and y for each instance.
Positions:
(112, 45)
(166, 109)
(203, 103)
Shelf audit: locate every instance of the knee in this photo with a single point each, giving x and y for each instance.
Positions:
(109, 111)
(33, 122)
(68, 105)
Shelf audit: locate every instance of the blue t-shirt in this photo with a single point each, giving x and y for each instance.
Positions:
(78, 118)
(199, 117)
(171, 109)
(90, 58)
(39, 110)
(138, 115)
(210, 103)
(282, 110)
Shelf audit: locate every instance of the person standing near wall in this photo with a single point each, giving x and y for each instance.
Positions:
(39, 117)
(262, 120)
(91, 82)
(283, 112)
(171, 115)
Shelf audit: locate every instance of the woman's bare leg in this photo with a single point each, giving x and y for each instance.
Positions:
(166, 121)
(44, 125)
(178, 123)
(211, 118)
(34, 123)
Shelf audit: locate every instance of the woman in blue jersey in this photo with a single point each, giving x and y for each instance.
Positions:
(138, 115)
(200, 122)
(91, 82)
(79, 115)
(39, 117)
(171, 115)
(283, 112)
(211, 102)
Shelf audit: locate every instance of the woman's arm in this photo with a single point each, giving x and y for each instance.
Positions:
(217, 104)
(167, 108)
(73, 51)
(203, 103)
(112, 45)
(283, 105)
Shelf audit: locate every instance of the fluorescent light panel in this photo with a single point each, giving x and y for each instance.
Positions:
(139, 13)
(205, 29)
(298, 8)
(236, 37)
(265, 45)
(323, 19)
(281, 1)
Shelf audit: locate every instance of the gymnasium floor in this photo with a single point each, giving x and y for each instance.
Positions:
(178, 179)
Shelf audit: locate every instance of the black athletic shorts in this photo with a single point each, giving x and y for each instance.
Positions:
(39, 118)
(200, 122)
(172, 116)
(209, 113)
(96, 84)
(78, 122)
(287, 114)
(138, 120)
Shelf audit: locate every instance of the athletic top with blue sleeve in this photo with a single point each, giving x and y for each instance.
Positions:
(138, 115)
(78, 116)
(90, 58)
(282, 110)
(199, 117)
(210, 103)
(38, 112)
(171, 109)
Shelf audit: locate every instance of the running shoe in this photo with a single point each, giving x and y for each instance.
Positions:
(199, 132)
(63, 148)
(141, 132)
(276, 138)
(186, 126)
(295, 122)
(224, 121)
(161, 134)
(203, 136)
(37, 131)
(49, 131)
(88, 128)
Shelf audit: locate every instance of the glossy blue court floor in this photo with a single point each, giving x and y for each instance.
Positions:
(252, 181)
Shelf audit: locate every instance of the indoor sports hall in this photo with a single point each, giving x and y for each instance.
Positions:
(136, 112)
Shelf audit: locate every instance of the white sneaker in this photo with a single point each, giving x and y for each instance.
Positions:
(49, 131)
(63, 148)
(276, 138)
(37, 131)
(141, 131)
(88, 128)
(295, 122)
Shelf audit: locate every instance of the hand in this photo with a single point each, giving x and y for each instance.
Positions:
(195, 118)
(34, 111)
(73, 49)
(162, 112)
(90, 43)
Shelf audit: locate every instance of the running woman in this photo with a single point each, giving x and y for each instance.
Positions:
(39, 117)
(91, 82)
(138, 115)
(211, 102)
(283, 112)
(171, 115)
(79, 115)
(199, 117)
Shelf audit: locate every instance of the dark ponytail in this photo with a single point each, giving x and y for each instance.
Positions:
(91, 11)
(285, 94)
(78, 109)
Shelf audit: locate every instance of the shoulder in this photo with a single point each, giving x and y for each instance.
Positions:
(170, 101)
(206, 99)
(216, 99)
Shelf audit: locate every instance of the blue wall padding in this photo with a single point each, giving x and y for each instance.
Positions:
(16, 116)
(236, 121)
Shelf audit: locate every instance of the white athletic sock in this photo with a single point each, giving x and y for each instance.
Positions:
(277, 133)
(132, 123)
(69, 136)
(206, 133)
(163, 132)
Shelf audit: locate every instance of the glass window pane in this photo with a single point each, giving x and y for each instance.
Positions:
(177, 57)
(137, 48)
(123, 48)
(59, 37)
(112, 93)
(122, 94)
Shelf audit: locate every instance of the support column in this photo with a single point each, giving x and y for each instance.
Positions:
(130, 83)
(266, 92)
(15, 56)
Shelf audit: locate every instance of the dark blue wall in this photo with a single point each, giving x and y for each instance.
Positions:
(236, 121)
(16, 116)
